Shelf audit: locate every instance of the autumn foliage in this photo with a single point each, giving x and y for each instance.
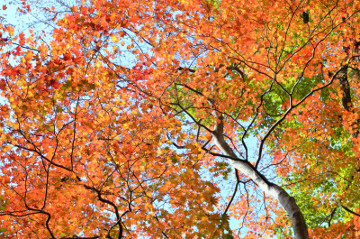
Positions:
(181, 119)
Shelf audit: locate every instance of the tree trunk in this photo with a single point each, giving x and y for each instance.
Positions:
(287, 202)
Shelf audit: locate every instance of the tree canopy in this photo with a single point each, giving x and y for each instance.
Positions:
(180, 119)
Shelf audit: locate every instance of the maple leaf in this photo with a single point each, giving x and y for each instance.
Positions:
(2, 84)
(18, 51)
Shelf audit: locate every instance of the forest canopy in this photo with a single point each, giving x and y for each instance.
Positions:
(179, 119)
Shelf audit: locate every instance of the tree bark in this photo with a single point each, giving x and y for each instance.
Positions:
(269, 188)
(346, 98)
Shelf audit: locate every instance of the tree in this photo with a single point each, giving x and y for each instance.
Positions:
(138, 119)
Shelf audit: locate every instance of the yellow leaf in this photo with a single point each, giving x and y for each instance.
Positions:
(29, 56)
(114, 38)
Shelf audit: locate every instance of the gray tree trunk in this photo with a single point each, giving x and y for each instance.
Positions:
(269, 188)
